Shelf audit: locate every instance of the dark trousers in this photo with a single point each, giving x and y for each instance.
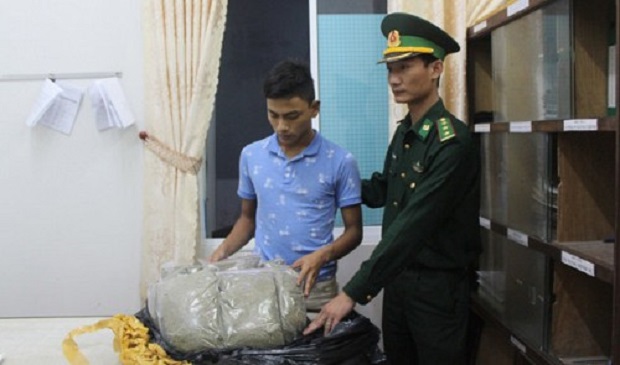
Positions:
(425, 316)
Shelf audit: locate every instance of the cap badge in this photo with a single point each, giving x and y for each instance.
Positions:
(393, 39)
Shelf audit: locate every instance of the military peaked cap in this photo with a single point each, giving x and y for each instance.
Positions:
(408, 35)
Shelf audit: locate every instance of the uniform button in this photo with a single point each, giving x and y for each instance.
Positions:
(402, 174)
(407, 146)
(369, 298)
(412, 185)
(395, 204)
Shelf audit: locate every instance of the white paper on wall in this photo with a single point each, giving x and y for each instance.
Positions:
(47, 95)
(56, 106)
(110, 105)
(63, 112)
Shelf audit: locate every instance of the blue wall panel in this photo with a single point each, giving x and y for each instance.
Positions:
(353, 90)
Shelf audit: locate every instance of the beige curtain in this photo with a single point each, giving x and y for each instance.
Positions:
(183, 43)
(478, 10)
(454, 16)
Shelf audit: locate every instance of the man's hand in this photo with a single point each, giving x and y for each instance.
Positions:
(331, 314)
(219, 254)
(309, 267)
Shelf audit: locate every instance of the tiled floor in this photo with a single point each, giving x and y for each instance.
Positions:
(38, 341)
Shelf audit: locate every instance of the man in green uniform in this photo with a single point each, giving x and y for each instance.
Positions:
(429, 188)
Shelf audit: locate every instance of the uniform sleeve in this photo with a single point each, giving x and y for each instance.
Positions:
(421, 217)
(348, 189)
(374, 190)
(245, 189)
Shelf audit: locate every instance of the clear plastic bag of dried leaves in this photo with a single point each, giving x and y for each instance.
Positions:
(234, 304)
(185, 307)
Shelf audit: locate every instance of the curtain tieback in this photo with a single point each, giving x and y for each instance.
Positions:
(179, 160)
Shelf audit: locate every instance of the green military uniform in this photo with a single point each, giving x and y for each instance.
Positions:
(429, 188)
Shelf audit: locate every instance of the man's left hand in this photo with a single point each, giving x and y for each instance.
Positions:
(309, 267)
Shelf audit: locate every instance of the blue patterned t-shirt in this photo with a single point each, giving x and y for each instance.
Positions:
(297, 198)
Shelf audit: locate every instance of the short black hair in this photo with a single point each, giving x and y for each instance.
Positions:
(289, 79)
(427, 58)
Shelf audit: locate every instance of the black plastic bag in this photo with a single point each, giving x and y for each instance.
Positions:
(354, 341)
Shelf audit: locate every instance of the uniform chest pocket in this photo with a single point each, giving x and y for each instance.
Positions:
(412, 174)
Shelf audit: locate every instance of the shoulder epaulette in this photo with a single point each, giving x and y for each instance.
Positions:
(445, 129)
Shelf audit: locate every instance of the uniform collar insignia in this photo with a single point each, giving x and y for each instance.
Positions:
(425, 128)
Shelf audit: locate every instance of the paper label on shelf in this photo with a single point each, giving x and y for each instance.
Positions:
(480, 26)
(578, 263)
(517, 6)
(482, 128)
(486, 223)
(518, 344)
(518, 237)
(580, 125)
(521, 127)
(611, 78)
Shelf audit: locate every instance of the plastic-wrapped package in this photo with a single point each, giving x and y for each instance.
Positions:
(245, 312)
(237, 303)
(291, 301)
(184, 305)
(249, 308)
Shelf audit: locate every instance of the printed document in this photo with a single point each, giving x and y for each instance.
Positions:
(56, 106)
(110, 105)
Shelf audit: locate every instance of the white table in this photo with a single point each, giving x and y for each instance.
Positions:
(38, 341)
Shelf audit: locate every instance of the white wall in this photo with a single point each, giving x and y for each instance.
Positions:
(70, 206)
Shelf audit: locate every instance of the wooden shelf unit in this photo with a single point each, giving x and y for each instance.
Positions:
(593, 258)
(508, 348)
(507, 14)
(584, 313)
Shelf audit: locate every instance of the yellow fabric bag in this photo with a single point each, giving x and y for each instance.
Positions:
(131, 341)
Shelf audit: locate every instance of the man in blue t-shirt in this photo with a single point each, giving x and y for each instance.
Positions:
(291, 184)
